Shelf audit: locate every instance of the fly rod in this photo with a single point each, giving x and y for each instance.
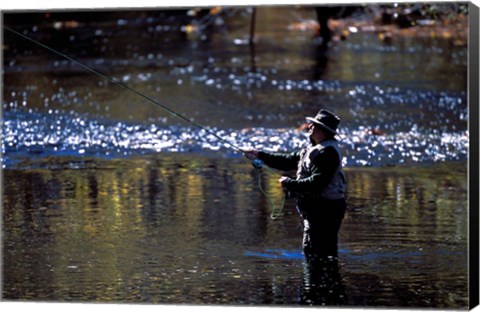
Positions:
(119, 83)
(257, 163)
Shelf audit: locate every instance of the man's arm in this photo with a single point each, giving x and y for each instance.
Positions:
(281, 161)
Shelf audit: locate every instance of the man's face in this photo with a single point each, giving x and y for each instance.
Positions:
(315, 132)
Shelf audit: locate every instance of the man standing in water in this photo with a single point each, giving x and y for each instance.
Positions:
(319, 186)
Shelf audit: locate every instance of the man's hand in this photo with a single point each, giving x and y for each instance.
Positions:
(283, 183)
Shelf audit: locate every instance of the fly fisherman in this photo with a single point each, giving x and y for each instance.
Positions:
(319, 186)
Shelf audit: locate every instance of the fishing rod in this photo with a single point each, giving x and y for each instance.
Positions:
(256, 162)
(119, 83)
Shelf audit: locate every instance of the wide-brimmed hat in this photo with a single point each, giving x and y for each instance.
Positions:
(327, 120)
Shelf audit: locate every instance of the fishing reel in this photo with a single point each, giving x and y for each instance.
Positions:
(257, 163)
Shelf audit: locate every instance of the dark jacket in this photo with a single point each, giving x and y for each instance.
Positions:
(319, 171)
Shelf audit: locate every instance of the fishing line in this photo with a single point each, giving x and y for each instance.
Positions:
(257, 163)
(119, 83)
(276, 212)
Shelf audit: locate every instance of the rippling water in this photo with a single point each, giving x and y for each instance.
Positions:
(108, 197)
(410, 110)
(170, 228)
(28, 135)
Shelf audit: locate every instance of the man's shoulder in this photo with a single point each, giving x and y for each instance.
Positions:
(323, 152)
(317, 150)
(329, 145)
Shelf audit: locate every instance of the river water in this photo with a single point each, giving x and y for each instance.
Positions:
(107, 197)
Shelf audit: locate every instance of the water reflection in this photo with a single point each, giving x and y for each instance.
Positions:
(321, 56)
(323, 283)
(167, 229)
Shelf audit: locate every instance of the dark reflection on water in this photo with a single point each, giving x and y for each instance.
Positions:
(173, 229)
